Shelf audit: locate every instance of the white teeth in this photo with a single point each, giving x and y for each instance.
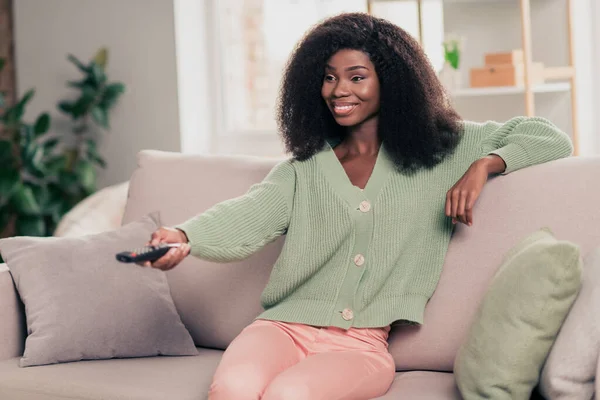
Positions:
(343, 107)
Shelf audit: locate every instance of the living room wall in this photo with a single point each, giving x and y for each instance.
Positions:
(140, 36)
(164, 50)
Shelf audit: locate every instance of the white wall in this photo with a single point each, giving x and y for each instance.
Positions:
(596, 67)
(140, 36)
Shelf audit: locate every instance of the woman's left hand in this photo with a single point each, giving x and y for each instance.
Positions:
(461, 198)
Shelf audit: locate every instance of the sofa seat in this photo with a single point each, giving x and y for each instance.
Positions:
(423, 385)
(150, 378)
(159, 378)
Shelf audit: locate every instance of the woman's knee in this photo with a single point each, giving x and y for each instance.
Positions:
(289, 389)
(240, 382)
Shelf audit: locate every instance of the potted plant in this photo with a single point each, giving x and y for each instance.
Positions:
(44, 175)
(88, 112)
(30, 198)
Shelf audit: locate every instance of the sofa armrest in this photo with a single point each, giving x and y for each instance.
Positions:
(12, 317)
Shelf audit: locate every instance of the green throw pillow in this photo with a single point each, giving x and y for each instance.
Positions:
(518, 319)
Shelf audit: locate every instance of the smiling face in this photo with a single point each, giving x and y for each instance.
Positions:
(351, 88)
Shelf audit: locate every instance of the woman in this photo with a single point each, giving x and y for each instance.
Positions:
(382, 168)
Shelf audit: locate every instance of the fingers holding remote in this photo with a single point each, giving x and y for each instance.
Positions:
(167, 235)
(172, 258)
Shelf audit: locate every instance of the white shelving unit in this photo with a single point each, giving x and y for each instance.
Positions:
(560, 74)
(512, 90)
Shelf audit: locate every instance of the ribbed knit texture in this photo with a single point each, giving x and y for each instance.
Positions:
(401, 229)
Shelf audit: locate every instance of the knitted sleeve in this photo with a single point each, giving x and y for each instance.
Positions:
(525, 141)
(236, 228)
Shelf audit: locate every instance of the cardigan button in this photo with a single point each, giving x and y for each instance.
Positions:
(364, 206)
(359, 259)
(347, 314)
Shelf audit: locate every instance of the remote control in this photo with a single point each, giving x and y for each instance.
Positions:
(147, 253)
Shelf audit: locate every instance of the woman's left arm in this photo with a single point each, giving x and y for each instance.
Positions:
(516, 144)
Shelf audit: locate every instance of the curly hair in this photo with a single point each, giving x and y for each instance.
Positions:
(416, 122)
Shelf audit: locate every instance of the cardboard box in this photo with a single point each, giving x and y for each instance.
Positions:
(509, 57)
(505, 75)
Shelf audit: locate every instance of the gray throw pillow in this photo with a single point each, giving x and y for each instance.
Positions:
(82, 304)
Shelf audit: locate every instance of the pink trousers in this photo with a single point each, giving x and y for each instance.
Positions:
(273, 360)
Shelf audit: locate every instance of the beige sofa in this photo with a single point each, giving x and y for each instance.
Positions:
(217, 300)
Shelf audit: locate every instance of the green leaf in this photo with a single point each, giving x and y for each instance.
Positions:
(56, 164)
(111, 94)
(35, 164)
(93, 154)
(27, 135)
(69, 182)
(12, 115)
(27, 97)
(30, 226)
(98, 159)
(87, 175)
(41, 194)
(60, 203)
(10, 180)
(91, 145)
(101, 57)
(50, 144)
(57, 216)
(28, 151)
(66, 107)
(100, 116)
(5, 215)
(54, 206)
(76, 84)
(6, 148)
(2, 63)
(24, 201)
(82, 105)
(42, 125)
(79, 64)
(87, 81)
(20, 107)
(98, 74)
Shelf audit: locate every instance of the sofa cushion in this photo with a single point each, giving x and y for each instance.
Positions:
(563, 195)
(570, 369)
(519, 318)
(148, 378)
(81, 303)
(215, 301)
(423, 385)
(100, 212)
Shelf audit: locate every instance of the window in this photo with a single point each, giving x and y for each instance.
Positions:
(254, 40)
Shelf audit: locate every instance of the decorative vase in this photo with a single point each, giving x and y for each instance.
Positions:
(450, 77)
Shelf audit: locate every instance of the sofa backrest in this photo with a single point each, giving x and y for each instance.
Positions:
(216, 301)
(563, 195)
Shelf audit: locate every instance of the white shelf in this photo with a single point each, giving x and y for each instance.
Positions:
(507, 90)
(478, 1)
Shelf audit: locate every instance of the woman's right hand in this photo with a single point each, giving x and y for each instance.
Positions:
(175, 255)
